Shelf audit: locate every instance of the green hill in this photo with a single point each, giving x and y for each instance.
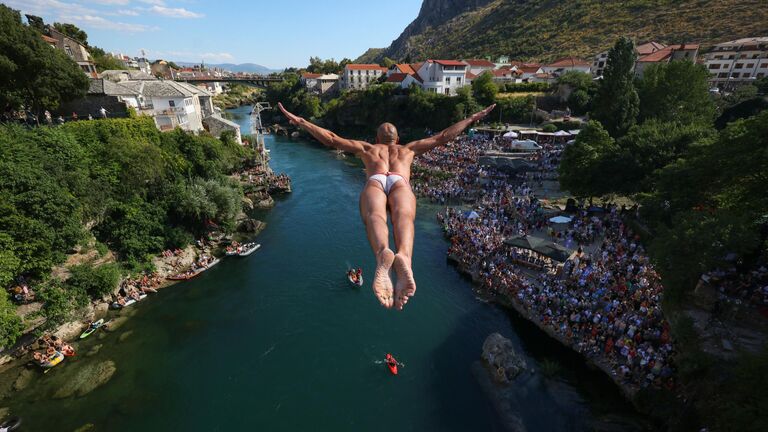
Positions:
(547, 29)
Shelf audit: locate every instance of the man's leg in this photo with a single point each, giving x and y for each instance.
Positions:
(402, 207)
(373, 210)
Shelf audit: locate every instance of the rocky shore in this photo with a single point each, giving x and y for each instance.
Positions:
(512, 304)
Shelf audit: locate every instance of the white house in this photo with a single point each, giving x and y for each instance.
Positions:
(665, 55)
(563, 65)
(478, 66)
(738, 62)
(443, 76)
(309, 80)
(359, 76)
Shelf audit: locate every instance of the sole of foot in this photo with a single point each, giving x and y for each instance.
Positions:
(406, 285)
(382, 284)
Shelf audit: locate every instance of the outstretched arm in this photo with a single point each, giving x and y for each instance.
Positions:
(448, 134)
(325, 136)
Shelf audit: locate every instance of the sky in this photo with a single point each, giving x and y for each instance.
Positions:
(275, 34)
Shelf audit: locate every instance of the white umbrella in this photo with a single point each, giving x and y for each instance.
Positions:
(562, 133)
(560, 219)
(510, 134)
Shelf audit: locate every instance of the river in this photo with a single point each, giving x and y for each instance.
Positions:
(280, 341)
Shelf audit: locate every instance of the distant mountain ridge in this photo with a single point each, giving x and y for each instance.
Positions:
(548, 29)
(242, 67)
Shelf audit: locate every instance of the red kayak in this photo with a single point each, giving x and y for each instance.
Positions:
(391, 364)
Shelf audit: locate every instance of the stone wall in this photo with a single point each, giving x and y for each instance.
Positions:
(91, 105)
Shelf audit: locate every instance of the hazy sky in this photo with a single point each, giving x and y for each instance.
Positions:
(275, 34)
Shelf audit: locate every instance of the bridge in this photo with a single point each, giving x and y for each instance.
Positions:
(254, 80)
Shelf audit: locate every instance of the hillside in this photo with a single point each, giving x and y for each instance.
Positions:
(547, 29)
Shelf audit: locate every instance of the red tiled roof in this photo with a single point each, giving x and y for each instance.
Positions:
(405, 68)
(480, 63)
(649, 48)
(48, 39)
(396, 77)
(310, 75)
(366, 66)
(449, 63)
(543, 75)
(470, 75)
(417, 66)
(568, 62)
(665, 53)
(526, 68)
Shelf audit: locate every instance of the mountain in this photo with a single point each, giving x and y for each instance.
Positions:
(243, 67)
(548, 29)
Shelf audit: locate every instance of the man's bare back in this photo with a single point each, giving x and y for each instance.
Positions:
(387, 192)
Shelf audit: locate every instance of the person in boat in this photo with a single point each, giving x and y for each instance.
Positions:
(388, 166)
(390, 360)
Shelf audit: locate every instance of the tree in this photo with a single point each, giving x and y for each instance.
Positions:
(72, 31)
(104, 61)
(32, 74)
(96, 281)
(484, 89)
(10, 323)
(583, 165)
(616, 104)
(387, 62)
(677, 91)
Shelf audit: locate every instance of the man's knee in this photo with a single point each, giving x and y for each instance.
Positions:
(374, 216)
(403, 213)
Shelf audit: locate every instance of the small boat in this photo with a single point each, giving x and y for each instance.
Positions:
(190, 275)
(11, 424)
(92, 328)
(232, 252)
(53, 361)
(249, 248)
(130, 301)
(391, 364)
(357, 283)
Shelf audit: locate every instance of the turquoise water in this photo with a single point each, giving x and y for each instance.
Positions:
(280, 341)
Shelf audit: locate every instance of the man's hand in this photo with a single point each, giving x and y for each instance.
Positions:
(479, 115)
(293, 118)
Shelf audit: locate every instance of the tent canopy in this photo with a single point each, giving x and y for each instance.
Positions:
(560, 219)
(510, 134)
(541, 246)
(562, 133)
(471, 215)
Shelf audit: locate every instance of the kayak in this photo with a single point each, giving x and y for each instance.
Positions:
(92, 328)
(391, 365)
(187, 276)
(56, 359)
(358, 283)
(116, 305)
(249, 249)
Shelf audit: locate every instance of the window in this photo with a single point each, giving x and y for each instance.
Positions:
(738, 65)
(760, 75)
(718, 57)
(447, 91)
(68, 50)
(746, 75)
(714, 66)
(448, 80)
(763, 65)
(458, 80)
(171, 103)
(750, 65)
(722, 75)
(601, 64)
(735, 75)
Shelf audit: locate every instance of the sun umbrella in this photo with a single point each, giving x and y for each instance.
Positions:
(560, 219)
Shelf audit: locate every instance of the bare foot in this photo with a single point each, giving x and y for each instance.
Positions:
(406, 285)
(382, 284)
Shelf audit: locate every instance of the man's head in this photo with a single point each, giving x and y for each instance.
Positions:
(387, 134)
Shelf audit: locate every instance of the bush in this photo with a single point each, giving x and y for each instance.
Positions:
(58, 303)
(527, 87)
(95, 281)
(10, 323)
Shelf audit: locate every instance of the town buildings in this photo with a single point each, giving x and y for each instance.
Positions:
(667, 54)
(359, 76)
(737, 62)
(73, 48)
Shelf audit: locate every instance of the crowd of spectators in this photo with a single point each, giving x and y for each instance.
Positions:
(604, 301)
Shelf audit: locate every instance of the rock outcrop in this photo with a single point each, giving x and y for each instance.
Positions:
(500, 357)
(87, 379)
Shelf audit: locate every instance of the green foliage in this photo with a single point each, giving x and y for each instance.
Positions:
(32, 74)
(328, 66)
(740, 403)
(96, 281)
(527, 87)
(549, 128)
(677, 92)
(710, 203)
(72, 31)
(616, 104)
(576, 80)
(484, 89)
(9, 262)
(10, 323)
(586, 165)
(104, 61)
